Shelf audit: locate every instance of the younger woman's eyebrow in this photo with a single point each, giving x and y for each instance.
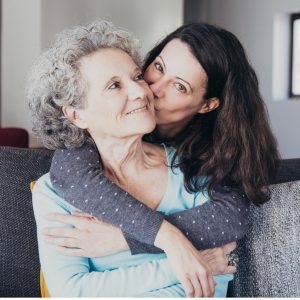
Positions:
(162, 61)
(185, 82)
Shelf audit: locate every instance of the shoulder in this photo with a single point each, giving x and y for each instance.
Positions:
(45, 198)
(42, 183)
(86, 150)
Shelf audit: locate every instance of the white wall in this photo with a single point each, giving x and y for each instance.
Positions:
(29, 26)
(148, 20)
(20, 45)
(252, 21)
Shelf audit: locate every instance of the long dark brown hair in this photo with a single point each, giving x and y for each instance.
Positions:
(232, 145)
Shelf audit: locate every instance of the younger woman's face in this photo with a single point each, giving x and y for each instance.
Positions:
(178, 83)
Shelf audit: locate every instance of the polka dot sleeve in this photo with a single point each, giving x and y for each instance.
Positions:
(77, 176)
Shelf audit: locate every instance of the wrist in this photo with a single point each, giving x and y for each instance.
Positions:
(166, 236)
(121, 241)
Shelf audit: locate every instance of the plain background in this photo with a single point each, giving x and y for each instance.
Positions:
(28, 26)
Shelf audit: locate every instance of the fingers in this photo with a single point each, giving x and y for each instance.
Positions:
(63, 242)
(207, 287)
(70, 251)
(61, 232)
(66, 219)
(229, 247)
(212, 285)
(195, 281)
(188, 287)
(83, 214)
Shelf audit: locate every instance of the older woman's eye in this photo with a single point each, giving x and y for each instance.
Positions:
(158, 67)
(114, 86)
(139, 77)
(180, 87)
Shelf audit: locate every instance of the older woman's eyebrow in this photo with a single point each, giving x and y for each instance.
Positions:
(112, 79)
(118, 78)
(136, 69)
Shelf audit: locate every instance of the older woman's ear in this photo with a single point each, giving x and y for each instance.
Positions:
(209, 105)
(74, 116)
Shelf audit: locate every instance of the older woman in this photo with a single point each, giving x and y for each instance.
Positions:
(87, 85)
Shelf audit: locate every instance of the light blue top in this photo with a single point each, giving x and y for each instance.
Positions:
(121, 274)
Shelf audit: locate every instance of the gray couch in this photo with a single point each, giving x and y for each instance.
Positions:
(269, 256)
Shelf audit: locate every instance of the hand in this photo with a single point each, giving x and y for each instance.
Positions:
(186, 261)
(88, 238)
(217, 258)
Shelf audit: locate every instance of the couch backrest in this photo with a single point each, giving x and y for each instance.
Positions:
(269, 255)
(19, 262)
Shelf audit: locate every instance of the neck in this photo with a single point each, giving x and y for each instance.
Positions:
(122, 158)
(169, 131)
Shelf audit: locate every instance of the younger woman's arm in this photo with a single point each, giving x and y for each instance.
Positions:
(77, 176)
(214, 223)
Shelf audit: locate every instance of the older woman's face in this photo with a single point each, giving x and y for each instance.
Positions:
(178, 83)
(119, 102)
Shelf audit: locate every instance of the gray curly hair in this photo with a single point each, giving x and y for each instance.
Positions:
(54, 80)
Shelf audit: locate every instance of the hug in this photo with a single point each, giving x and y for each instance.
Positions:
(156, 165)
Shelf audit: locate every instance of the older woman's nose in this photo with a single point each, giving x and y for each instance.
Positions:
(136, 91)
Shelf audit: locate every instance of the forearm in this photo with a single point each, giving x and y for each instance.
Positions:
(215, 223)
(72, 276)
(77, 176)
(123, 282)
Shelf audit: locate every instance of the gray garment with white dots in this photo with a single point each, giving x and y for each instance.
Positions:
(77, 177)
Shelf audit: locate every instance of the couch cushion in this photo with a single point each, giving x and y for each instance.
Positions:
(269, 255)
(19, 262)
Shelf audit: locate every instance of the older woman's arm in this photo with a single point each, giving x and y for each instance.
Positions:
(70, 276)
(77, 176)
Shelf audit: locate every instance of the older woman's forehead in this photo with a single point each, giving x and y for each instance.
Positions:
(107, 62)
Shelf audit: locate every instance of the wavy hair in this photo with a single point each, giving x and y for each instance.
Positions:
(54, 80)
(234, 144)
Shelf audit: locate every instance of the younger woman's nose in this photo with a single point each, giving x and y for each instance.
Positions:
(157, 89)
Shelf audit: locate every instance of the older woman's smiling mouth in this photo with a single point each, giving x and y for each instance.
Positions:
(137, 110)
